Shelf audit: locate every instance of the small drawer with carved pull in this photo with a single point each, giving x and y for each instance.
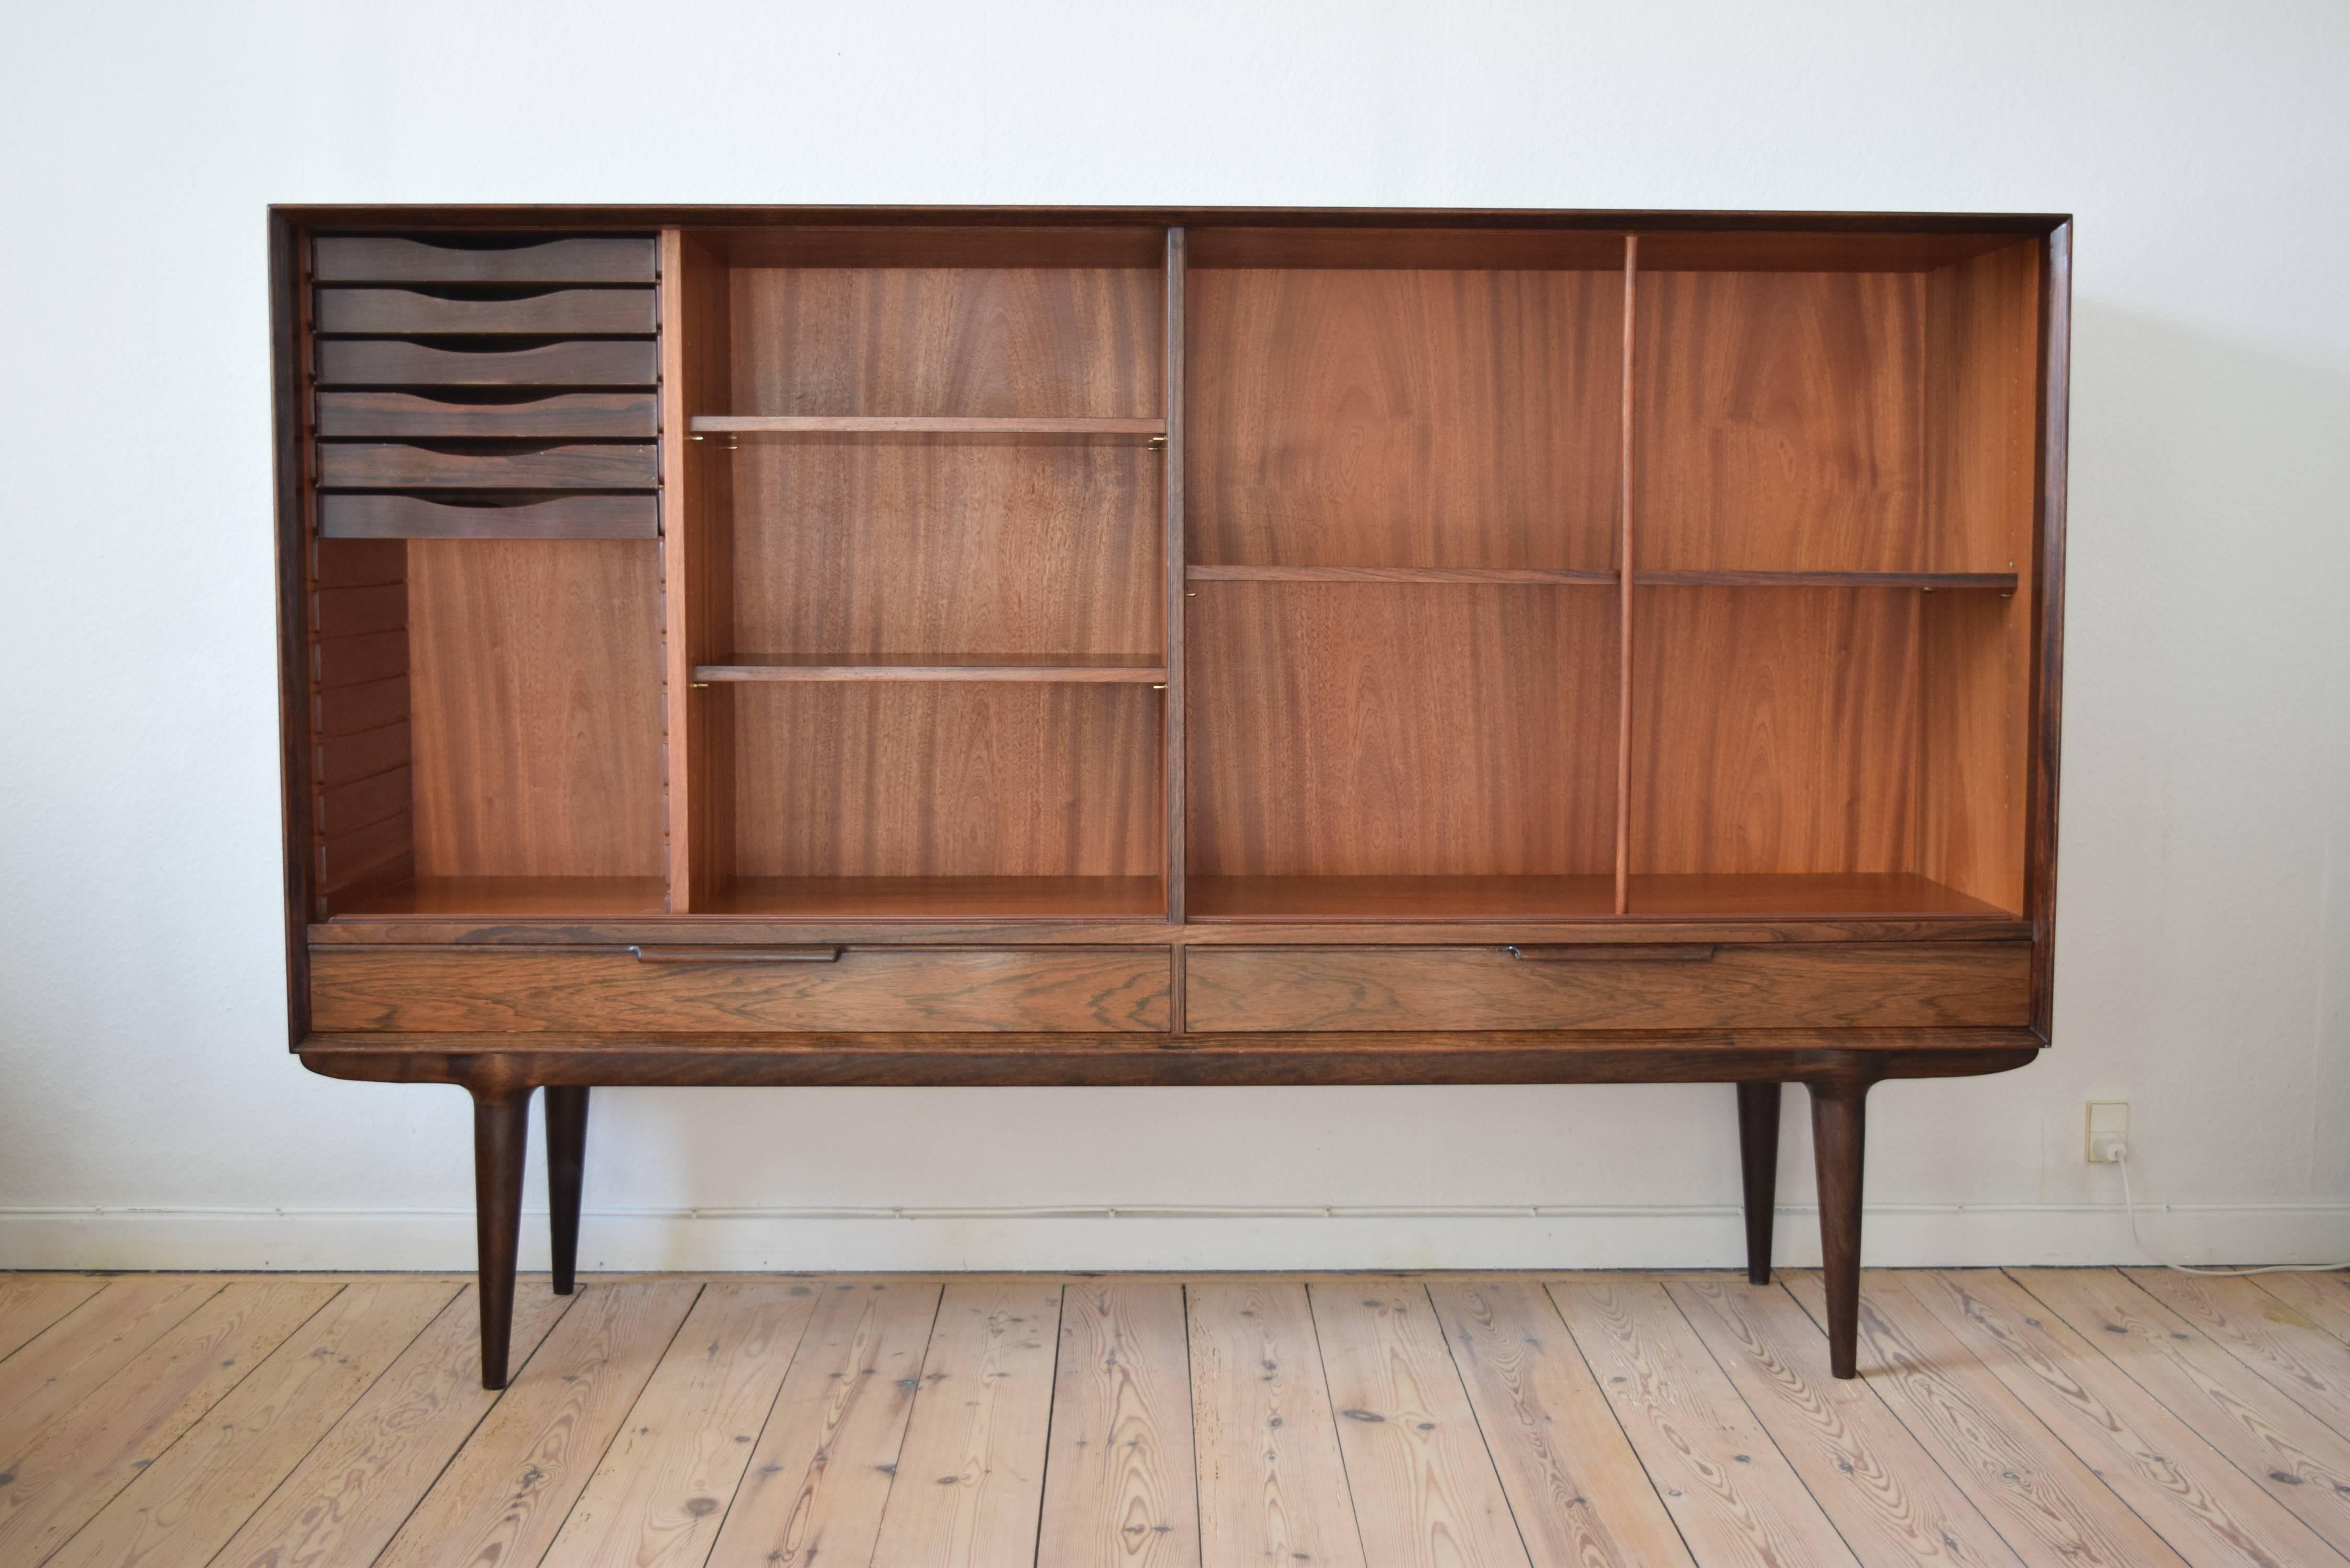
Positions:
(688, 988)
(1609, 985)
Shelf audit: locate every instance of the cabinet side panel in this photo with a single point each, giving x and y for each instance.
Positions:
(1982, 336)
(536, 677)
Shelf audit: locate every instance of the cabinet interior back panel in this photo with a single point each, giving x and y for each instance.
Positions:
(1775, 730)
(948, 779)
(1439, 418)
(1370, 730)
(1033, 342)
(536, 677)
(1779, 423)
(866, 546)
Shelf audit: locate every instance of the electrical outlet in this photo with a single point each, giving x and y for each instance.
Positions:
(2108, 1131)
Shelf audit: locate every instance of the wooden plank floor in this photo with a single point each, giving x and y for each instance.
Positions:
(2018, 1418)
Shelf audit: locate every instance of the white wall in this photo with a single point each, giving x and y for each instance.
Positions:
(149, 1114)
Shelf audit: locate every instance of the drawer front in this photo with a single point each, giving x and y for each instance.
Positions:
(719, 991)
(375, 258)
(370, 465)
(562, 313)
(392, 362)
(415, 518)
(1792, 986)
(608, 415)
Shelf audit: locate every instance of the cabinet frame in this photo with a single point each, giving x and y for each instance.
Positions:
(702, 674)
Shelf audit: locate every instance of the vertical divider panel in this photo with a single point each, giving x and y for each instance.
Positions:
(1172, 710)
(1624, 592)
(697, 560)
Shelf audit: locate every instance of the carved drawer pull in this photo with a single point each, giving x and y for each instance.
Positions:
(1620, 952)
(737, 955)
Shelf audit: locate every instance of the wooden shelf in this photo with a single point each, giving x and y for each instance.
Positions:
(1108, 669)
(1399, 898)
(1394, 574)
(1795, 895)
(437, 897)
(2003, 581)
(917, 424)
(941, 898)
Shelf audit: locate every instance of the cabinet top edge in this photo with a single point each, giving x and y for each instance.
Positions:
(410, 216)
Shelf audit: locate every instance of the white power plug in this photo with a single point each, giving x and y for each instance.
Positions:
(2107, 1138)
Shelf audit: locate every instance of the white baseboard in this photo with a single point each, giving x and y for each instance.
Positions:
(1147, 1238)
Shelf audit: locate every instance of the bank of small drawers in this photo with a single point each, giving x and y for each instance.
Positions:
(499, 389)
(684, 989)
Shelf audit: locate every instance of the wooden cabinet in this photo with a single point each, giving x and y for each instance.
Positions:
(795, 645)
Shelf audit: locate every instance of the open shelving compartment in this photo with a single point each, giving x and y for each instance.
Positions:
(1583, 576)
(482, 561)
(916, 526)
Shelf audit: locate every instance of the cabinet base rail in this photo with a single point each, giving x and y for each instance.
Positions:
(502, 1073)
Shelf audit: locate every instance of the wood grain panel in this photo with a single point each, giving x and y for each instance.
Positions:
(697, 569)
(1843, 984)
(951, 780)
(1574, 1482)
(603, 415)
(973, 1459)
(187, 1504)
(1981, 407)
(1402, 417)
(560, 313)
(506, 1494)
(1724, 1480)
(1120, 1486)
(827, 1459)
(2152, 1460)
(63, 1473)
(537, 683)
(661, 1491)
(2284, 1450)
(2049, 1505)
(578, 362)
(1775, 731)
(948, 546)
(1875, 1481)
(972, 341)
(1423, 1485)
(1779, 422)
(348, 1495)
(1112, 989)
(1272, 1481)
(421, 517)
(384, 466)
(386, 259)
(1401, 729)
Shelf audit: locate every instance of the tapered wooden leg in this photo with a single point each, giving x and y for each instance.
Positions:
(567, 1153)
(500, 1137)
(1839, 1123)
(1758, 1156)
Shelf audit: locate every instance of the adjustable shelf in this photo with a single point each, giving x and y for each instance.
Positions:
(2001, 582)
(939, 897)
(920, 424)
(1104, 670)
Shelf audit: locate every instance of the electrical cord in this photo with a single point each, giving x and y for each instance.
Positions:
(2129, 1201)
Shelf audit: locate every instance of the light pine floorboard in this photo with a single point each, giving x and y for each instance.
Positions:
(2026, 1418)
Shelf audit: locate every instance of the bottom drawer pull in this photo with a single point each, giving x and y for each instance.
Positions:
(1620, 952)
(737, 955)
